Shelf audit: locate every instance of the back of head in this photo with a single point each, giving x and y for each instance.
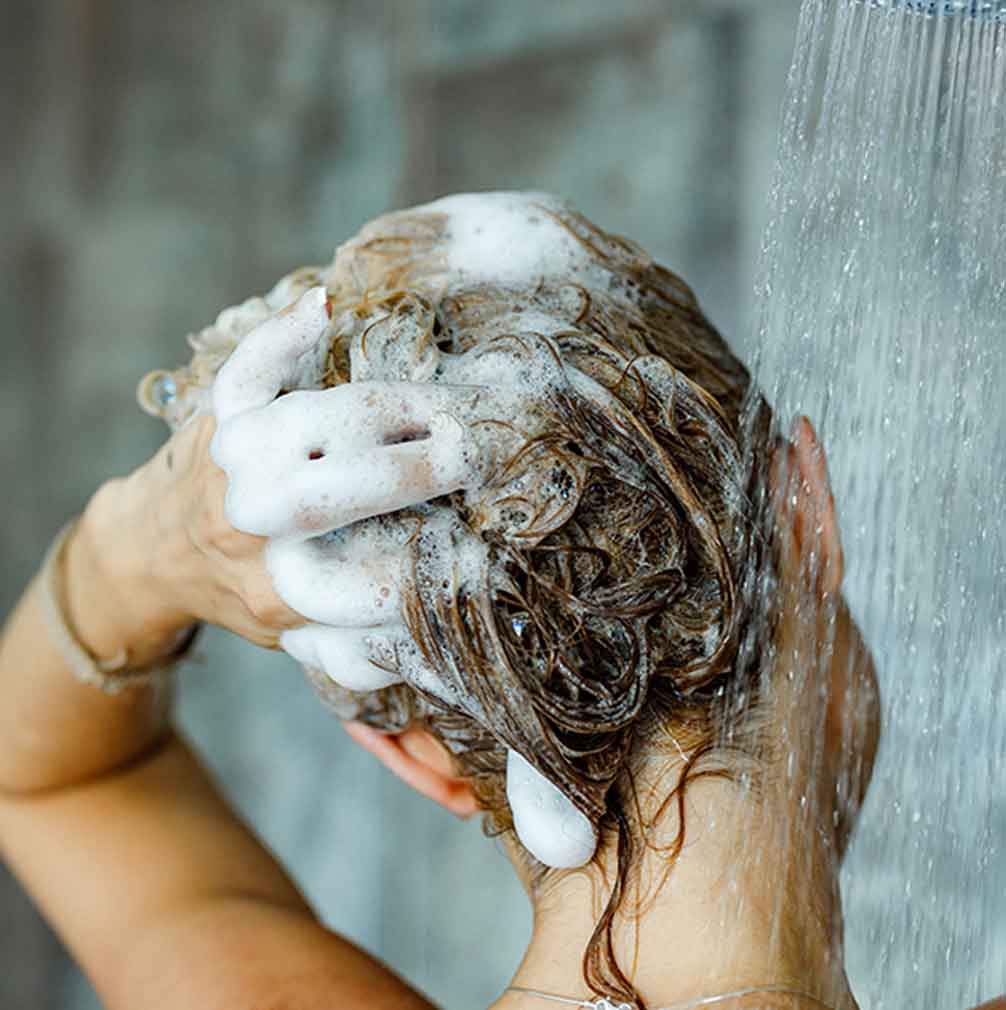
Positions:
(615, 517)
(618, 524)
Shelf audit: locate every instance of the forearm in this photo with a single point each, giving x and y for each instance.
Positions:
(167, 900)
(55, 731)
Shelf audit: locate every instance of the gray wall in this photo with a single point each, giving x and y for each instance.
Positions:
(163, 160)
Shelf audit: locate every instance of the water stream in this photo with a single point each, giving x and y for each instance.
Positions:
(882, 305)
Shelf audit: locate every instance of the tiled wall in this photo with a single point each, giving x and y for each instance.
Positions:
(163, 160)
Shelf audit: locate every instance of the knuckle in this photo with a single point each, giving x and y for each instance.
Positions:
(110, 491)
(217, 530)
(264, 606)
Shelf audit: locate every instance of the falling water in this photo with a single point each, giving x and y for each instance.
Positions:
(882, 306)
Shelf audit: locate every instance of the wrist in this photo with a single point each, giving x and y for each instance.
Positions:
(111, 595)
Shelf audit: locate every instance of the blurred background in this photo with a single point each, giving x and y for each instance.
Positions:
(166, 160)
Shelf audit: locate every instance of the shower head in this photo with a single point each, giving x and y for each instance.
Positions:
(990, 10)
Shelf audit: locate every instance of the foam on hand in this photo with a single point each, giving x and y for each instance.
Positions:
(286, 351)
(360, 659)
(345, 581)
(314, 461)
(349, 583)
(548, 824)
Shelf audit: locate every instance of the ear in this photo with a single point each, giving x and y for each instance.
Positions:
(805, 510)
(420, 760)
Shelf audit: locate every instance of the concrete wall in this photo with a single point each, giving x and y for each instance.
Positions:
(163, 160)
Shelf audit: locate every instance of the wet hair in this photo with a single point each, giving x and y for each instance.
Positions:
(621, 618)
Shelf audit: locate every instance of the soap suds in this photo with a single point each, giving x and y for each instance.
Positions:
(510, 239)
(347, 583)
(287, 351)
(314, 461)
(360, 659)
(548, 824)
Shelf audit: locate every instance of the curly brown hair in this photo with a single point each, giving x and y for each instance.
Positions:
(622, 613)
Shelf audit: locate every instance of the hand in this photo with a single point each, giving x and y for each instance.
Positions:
(339, 480)
(469, 415)
(312, 468)
(160, 548)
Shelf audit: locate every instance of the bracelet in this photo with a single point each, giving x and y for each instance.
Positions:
(108, 675)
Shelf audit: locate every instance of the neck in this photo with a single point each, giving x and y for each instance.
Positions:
(752, 900)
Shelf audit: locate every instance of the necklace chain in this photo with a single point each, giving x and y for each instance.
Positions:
(603, 1003)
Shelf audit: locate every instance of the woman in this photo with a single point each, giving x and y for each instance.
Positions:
(550, 407)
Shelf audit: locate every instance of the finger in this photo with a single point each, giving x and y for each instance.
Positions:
(312, 423)
(814, 467)
(360, 659)
(822, 517)
(282, 496)
(367, 659)
(782, 484)
(395, 751)
(287, 350)
(334, 581)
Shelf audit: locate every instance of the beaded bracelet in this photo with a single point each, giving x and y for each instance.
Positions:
(108, 675)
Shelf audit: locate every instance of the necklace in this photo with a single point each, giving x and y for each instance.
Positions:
(603, 1003)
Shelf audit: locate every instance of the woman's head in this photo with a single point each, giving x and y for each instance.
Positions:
(620, 519)
(615, 508)
(618, 511)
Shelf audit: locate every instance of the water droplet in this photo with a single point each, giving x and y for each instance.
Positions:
(164, 390)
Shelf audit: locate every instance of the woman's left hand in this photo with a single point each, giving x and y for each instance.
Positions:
(165, 555)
